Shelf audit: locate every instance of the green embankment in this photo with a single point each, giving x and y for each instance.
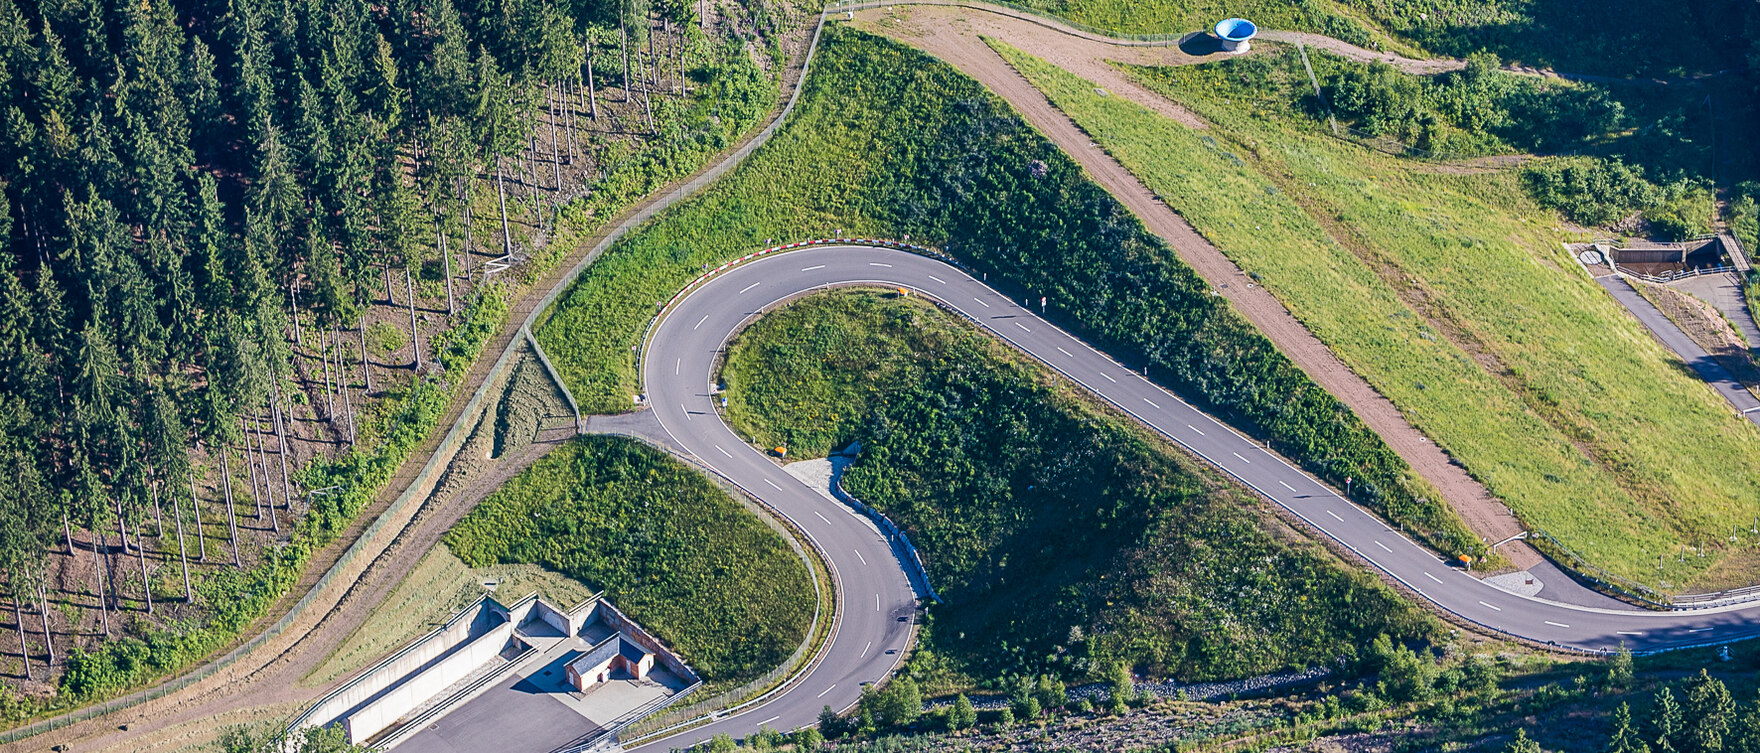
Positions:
(887, 141)
(667, 546)
(1451, 294)
(1060, 535)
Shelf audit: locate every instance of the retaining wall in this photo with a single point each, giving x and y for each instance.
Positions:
(421, 687)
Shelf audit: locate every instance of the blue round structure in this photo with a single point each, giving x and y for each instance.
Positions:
(1236, 34)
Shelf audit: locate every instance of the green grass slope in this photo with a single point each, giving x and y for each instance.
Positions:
(1062, 537)
(1451, 294)
(887, 141)
(668, 547)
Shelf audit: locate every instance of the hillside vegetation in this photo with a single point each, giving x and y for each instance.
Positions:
(887, 141)
(1061, 536)
(1451, 295)
(667, 546)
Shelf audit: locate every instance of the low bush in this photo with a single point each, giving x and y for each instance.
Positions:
(1063, 539)
(668, 547)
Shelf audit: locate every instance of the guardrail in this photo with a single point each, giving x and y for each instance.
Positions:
(1631, 590)
(608, 734)
(893, 533)
(1033, 14)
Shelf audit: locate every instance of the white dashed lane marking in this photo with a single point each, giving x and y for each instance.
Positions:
(876, 602)
(676, 366)
(687, 414)
(1201, 433)
(1022, 326)
(864, 561)
(822, 517)
(811, 268)
(724, 452)
(1286, 486)
(1383, 547)
(1628, 632)
(1110, 379)
(937, 279)
(1556, 624)
(749, 287)
(878, 264)
(865, 650)
(1157, 407)
(823, 692)
(700, 321)
(1432, 577)
(1065, 352)
(981, 302)
(1238, 455)
(773, 484)
(1493, 607)
(1335, 516)
(1699, 630)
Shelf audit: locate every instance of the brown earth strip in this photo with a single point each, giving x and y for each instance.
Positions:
(953, 35)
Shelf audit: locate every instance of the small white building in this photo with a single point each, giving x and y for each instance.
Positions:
(617, 657)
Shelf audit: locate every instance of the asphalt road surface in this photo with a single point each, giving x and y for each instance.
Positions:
(1674, 339)
(876, 596)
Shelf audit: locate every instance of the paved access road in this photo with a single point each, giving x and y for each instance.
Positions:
(873, 590)
(1674, 339)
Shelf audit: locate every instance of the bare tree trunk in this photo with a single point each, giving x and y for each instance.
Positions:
(445, 258)
(43, 612)
(103, 598)
(415, 336)
(263, 463)
(555, 161)
(121, 533)
(250, 464)
(231, 517)
(366, 370)
(189, 594)
(146, 585)
(158, 516)
(329, 397)
(67, 533)
(293, 302)
(592, 96)
(347, 403)
(281, 454)
(196, 511)
(623, 29)
(470, 238)
(501, 196)
(24, 650)
(388, 300)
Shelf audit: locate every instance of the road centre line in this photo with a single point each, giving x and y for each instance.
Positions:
(876, 602)
(767, 721)
(1628, 632)
(827, 690)
(679, 364)
(981, 302)
(1383, 547)
(858, 556)
(1201, 433)
(700, 321)
(1153, 405)
(773, 484)
(687, 413)
(1699, 630)
(878, 264)
(1555, 624)
(1497, 608)
(865, 650)
(1022, 326)
(1432, 577)
(1243, 458)
(1109, 379)
(1285, 485)
(724, 452)
(1065, 352)
(749, 287)
(811, 268)
(937, 279)
(822, 517)
(1335, 516)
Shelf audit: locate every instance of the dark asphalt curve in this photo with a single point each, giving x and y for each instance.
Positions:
(877, 598)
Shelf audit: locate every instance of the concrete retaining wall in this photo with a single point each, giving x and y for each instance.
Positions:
(418, 688)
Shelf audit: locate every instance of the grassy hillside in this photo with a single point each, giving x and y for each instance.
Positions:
(1450, 293)
(1061, 536)
(887, 141)
(665, 544)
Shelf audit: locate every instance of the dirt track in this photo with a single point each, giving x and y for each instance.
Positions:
(955, 34)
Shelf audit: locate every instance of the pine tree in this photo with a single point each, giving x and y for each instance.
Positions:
(964, 715)
(1521, 743)
(1708, 712)
(1666, 722)
(1625, 739)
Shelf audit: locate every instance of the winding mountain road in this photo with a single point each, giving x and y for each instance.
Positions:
(876, 598)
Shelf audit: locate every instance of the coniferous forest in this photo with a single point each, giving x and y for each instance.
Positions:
(241, 241)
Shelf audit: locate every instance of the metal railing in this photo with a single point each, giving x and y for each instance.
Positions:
(1026, 13)
(1631, 590)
